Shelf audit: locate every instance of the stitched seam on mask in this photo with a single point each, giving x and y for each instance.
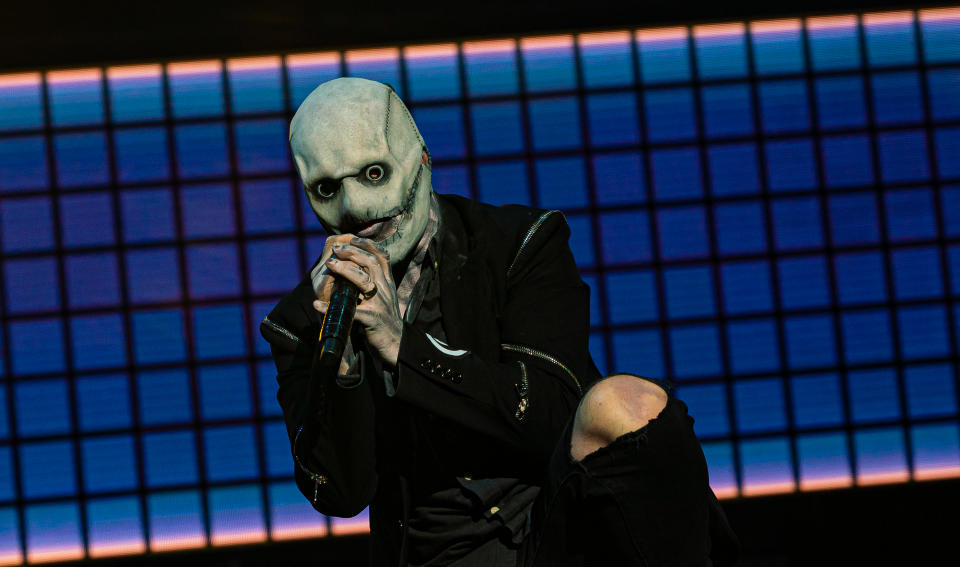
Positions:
(527, 237)
(281, 330)
(543, 356)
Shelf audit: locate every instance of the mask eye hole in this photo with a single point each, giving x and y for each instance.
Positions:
(328, 188)
(374, 173)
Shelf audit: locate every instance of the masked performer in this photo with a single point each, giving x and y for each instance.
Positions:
(467, 366)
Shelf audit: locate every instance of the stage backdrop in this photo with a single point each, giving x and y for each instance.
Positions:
(766, 212)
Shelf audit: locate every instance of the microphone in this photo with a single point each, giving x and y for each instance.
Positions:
(335, 328)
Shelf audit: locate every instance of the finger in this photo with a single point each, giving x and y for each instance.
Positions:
(383, 257)
(361, 257)
(350, 271)
(320, 305)
(319, 269)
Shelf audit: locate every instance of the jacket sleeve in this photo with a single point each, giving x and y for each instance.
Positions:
(523, 397)
(332, 443)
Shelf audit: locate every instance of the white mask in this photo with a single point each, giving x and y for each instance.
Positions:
(364, 166)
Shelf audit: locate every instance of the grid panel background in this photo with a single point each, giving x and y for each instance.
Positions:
(766, 212)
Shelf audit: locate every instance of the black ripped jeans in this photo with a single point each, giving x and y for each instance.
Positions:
(642, 500)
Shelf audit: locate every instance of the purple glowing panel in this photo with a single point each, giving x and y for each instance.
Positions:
(664, 55)
(381, 65)
(291, 516)
(939, 33)
(606, 59)
(53, 532)
(824, 461)
(880, 456)
(176, 520)
(136, 93)
(491, 67)
(767, 466)
(236, 515)
(21, 102)
(76, 97)
(936, 450)
(196, 89)
(548, 63)
(114, 527)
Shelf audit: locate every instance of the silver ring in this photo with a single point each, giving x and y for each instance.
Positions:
(368, 294)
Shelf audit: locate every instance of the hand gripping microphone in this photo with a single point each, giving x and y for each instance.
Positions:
(335, 328)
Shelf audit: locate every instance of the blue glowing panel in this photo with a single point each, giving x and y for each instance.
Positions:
(10, 552)
(141, 154)
(683, 233)
(21, 102)
(158, 336)
(733, 169)
(261, 146)
(272, 266)
(873, 395)
(92, 280)
(291, 515)
(224, 391)
(727, 110)
(853, 219)
(740, 227)
(165, 396)
(230, 453)
(47, 469)
(548, 63)
(432, 72)
(632, 297)
(147, 215)
(554, 123)
(255, 84)
(670, 114)
(23, 164)
(752, 346)
(824, 461)
(81, 159)
(114, 526)
(491, 67)
(777, 47)
(76, 97)
(306, 71)
(767, 465)
(626, 226)
(96, 393)
(841, 102)
(214, 270)
(53, 532)
(676, 174)
(696, 351)
(37, 346)
(721, 51)
(606, 59)
(176, 520)
(502, 183)
(381, 65)
(619, 178)
(867, 336)
(43, 407)
(109, 464)
(497, 128)
(890, 39)
(707, 405)
(638, 352)
(99, 341)
(202, 149)
(760, 405)
(442, 128)
(31, 285)
(834, 43)
(936, 450)
(136, 93)
(746, 287)
(664, 55)
(170, 458)
(818, 400)
(784, 106)
(880, 455)
(810, 341)
(236, 515)
(930, 390)
(561, 183)
(87, 220)
(196, 89)
(218, 331)
(153, 275)
(791, 165)
(612, 119)
(938, 31)
(722, 468)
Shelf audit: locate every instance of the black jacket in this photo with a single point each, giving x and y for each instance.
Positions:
(512, 297)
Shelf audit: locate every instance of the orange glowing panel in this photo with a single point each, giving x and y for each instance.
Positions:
(428, 51)
(661, 34)
(347, 526)
(826, 483)
(20, 80)
(312, 59)
(11, 558)
(715, 30)
(546, 42)
(725, 492)
(827, 22)
(171, 544)
(938, 14)
(253, 63)
(882, 478)
(299, 532)
(490, 46)
(114, 549)
(54, 555)
(603, 38)
(365, 55)
(937, 473)
(775, 26)
(194, 67)
(73, 76)
(882, 18)
(229, 537)
(764, 488)
(134, 72)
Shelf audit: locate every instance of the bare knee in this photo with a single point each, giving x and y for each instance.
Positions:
(611, 408)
